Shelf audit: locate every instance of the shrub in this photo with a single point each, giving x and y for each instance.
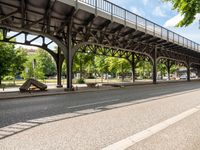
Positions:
(80, 81)
(91, 77)
(8, 78)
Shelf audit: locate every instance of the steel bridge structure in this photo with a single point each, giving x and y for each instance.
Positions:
(94, 26)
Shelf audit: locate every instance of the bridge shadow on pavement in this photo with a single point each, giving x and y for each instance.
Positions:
(60, 110)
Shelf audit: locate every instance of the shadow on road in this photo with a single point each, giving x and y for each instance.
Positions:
(20, 115)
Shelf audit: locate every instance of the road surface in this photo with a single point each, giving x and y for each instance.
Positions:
(104, 119)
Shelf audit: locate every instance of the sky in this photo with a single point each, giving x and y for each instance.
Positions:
(162, 14)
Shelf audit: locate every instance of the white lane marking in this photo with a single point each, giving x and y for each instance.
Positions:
(131, 140)
(90, 104)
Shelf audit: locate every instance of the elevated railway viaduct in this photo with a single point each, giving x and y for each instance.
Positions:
(95, 26)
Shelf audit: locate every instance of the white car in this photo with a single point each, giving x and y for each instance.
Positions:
(183, 77)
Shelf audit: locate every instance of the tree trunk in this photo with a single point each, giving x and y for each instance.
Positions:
(101, 77)
(14, 79)
(123, 76)
(81, 69)
(122, 73)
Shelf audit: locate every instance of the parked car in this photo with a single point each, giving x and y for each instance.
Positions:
(183, 77)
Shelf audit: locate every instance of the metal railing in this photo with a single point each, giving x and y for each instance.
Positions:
(140, 23)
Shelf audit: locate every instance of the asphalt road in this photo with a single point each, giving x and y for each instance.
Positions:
(94, 120)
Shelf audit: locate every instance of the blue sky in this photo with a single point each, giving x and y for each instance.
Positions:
(162, 14)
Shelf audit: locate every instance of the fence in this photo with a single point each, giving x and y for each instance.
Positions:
(141, 23)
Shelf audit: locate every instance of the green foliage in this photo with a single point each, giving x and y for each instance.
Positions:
(84, 64)
(173, 68)
(123, 66)
(11, 60)
(113, 65)
(80, 81)
(64, 68)
(102, 65)
(162, 69)
(187, 8)
(44, 66)
(8, 78)
(19, 59)
(88, 64)
(144, 69)
(45, 62)
(7, 55)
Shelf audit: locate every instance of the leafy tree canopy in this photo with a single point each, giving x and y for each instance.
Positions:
(43, 65)
(6, 56)
(187, 8)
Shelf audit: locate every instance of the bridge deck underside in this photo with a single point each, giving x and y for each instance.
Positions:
(72, 21)
(53, 17)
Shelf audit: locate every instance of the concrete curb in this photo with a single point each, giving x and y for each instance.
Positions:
(51, 94)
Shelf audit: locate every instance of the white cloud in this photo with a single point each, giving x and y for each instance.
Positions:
(173, 21)
(197, 18)
(176, 19)
(137, 11)
(167, 6)
(145, 2)
(192, 32)
(159, 11)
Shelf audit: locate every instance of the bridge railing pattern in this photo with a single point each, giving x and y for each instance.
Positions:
(141, 23)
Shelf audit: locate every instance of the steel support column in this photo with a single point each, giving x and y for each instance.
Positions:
(155, 66)
(168, 69)
(188, 70)
(198, 72)
(133, 67)
(59, 68)
(69, 58)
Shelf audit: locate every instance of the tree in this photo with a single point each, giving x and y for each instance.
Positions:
(30, 71)
(45, 62)
(6, 59)
(102, 66)
(187, 8)
(64, 68)
(84, 63)
(144, 68)
(163, 69)
(113, 65)
(17, 66)
(44, 65)
(123, 67)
